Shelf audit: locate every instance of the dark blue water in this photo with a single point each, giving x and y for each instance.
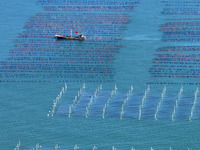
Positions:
(128, 43)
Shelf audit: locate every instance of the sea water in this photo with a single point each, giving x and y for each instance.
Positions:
(25, 105)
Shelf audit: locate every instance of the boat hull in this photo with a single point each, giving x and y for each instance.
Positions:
(69, 37)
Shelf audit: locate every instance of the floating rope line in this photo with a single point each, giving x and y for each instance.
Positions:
(17, 146)
(76, 99)
(96, 92)
(176, 105)
(193, 106)
(143, 99)
(162, 97)
(55, 102)
(125, 101)
(108, 101)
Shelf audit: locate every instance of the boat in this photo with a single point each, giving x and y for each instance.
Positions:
(80, 37)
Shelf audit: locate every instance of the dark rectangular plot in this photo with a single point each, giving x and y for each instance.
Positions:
(150, 106)
(132, 106)
(79, 109)
(98, 104)
(167, 107)
(184, 107)
(115, 106)
(63, 110)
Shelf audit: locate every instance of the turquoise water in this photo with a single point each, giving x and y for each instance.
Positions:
(29, 85)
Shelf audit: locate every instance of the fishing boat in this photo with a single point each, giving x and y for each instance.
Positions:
(80, 37)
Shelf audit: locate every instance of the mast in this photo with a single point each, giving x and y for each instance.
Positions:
(71, 33)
